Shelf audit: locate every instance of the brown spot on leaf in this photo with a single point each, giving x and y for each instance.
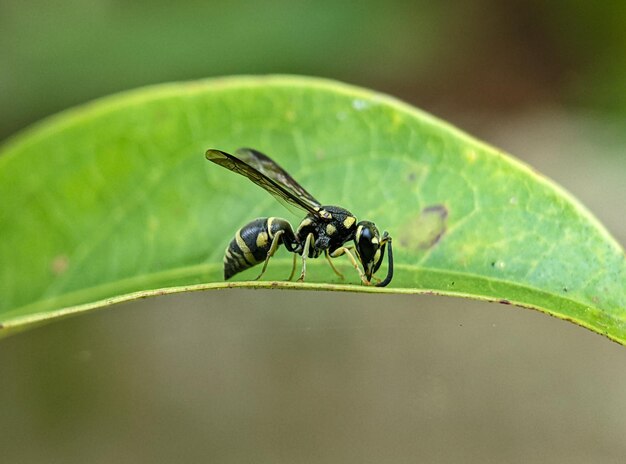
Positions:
(425, 230)
(411, 177)
(506, 302)
(59, 265)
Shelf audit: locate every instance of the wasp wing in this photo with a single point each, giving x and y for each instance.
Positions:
(268, 175)
(271, 169)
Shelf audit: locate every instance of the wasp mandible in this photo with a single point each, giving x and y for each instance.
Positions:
(325, 229)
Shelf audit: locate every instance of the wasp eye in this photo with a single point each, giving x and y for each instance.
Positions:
(367, 249)
(366, 234)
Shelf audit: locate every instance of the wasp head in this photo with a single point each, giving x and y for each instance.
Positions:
(370, 247)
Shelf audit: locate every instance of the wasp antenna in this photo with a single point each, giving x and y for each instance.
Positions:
(385, 282)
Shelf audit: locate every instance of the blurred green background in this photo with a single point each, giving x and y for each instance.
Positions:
(267, 376)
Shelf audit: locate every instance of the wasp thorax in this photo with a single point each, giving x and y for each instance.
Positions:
(325, 214)
(330, 228)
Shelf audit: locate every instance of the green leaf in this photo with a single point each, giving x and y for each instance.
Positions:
(115, 201)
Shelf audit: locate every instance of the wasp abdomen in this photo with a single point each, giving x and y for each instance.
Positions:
(253, 242)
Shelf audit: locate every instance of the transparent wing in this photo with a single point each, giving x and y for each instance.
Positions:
(271, 169)
(268, 175)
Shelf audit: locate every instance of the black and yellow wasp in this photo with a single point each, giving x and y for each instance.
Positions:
(325, 229)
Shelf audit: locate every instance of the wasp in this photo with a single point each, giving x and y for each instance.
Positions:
(324, 229)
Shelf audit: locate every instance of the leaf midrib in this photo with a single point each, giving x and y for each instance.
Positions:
(199, 269)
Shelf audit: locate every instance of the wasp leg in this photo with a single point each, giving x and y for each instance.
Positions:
(305, 252)
(344, 250)
(271, 251)
(293, 267)
(341, 276)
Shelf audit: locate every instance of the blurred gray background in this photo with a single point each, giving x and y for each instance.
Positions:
(270, 376)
